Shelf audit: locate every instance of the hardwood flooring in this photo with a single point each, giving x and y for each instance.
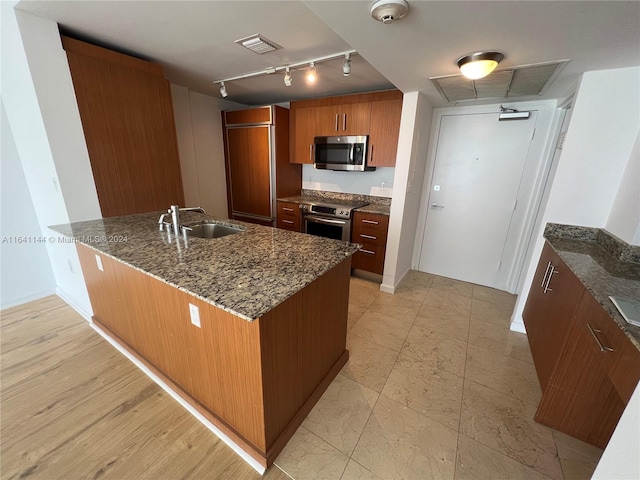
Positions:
(73, 407)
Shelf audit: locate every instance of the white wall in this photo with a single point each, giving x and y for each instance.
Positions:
(411, 158)
(26, 272)
(38, 97)
(624, 218)
(378, 183)
(199, 129)
(602, 133)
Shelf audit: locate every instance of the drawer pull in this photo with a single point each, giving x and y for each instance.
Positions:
(551, 273)
(367, 251)
(287, 209)
(311, 152)
(594, 333)
(287, 221)
(371, 237)
(373, 222)
(546, 272)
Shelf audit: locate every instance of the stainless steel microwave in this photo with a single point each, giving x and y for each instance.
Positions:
(342, 153)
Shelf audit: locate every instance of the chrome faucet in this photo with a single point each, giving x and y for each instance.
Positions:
(174, 211)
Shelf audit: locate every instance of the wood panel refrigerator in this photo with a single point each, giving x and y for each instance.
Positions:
(257, 164)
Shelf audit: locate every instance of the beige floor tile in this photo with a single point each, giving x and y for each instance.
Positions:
(382, 329)
(402, 308)
(499, 339)
(449, 285)
(507, 375)
(355, 471)
(362, 296)
(355, 312)
(369, 364)
(436, 350)
(439, 302)
(492, 295)
(491, 313)
(341, 413)
(505, 424)
(451, 325)
(474, 461)
(432, 392)
(365, 283)
(307, 456)
(415, 285)
(578, 459)
(400, 443)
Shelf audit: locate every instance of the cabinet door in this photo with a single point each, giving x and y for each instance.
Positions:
(302, 131)
(370, 230)
(383, 132)
(552, 300)
(348, 119)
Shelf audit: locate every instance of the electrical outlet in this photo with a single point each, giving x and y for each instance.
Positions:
(99, 262)
(194, 312)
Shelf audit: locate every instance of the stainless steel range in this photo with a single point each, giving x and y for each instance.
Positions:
(331, 220)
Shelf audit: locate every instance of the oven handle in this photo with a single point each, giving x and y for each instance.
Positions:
(325, 220)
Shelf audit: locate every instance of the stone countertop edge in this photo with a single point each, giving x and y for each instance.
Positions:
(601, 273)
(371, 207)
(246, 274)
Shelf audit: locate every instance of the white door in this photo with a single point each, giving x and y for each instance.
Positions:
(478, 168)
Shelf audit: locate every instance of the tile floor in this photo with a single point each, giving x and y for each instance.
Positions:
(437, 387)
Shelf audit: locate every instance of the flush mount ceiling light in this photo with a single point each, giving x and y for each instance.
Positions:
(388, 11)
(287, 78)
(479, 65)
(258, 44)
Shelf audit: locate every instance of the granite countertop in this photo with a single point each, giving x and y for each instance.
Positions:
(375, 208)
(246, 274)
(593, 255)
(363, 203)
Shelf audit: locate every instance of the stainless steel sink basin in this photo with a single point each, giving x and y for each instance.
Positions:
(211, 230)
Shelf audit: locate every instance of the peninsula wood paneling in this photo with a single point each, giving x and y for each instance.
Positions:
(127, 116)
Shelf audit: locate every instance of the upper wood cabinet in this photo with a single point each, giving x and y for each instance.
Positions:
(375, 114)
(127, 117)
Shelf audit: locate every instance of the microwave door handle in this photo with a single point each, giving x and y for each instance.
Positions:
(351, 146)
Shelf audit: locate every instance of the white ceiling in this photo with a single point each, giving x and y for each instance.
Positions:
(194, 40)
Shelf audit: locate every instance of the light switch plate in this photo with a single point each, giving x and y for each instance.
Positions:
(99, 262)
(194, 312)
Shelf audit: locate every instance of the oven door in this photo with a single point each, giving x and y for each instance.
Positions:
(335, 228)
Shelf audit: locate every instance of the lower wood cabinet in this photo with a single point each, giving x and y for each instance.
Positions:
(370, 230)
(289, 216)
(587, 366)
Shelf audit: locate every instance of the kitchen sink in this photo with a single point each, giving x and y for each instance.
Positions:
(211, 230)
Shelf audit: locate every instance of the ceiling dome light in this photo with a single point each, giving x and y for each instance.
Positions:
(387, 11)
(288, 80)
(312, 75)
(223, 90)
(479, 65)
(346, 68)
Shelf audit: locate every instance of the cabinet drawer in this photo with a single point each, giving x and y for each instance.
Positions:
(288, 224)
(369, 235)
(370, 221)
(370, 258)
(289, 216)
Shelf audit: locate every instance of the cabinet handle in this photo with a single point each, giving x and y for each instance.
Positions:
(367, 251)
(337, 121)
(371, 154)
(368, 236)
(594, 333)
(311, 152)
(344, 121)
(545, 274)
(551, 273)
(287, 221)
(287, 209)
(373, 222)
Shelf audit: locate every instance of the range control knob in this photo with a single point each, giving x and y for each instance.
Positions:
(304, 207)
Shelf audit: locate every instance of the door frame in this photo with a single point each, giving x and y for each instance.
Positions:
(541, 150)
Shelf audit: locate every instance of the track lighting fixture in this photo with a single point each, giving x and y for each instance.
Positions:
(312, 74)
(287, 78)
(223, 90)
(346, 67)
(479, 65)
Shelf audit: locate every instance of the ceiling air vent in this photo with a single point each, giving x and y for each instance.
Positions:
(513, 82)
(258, 44)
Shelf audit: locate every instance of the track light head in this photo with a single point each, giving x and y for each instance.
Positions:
(346, 67)
(223, 90)
(312, 75)
(288, 80)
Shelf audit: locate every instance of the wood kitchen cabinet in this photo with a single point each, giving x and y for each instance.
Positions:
(587, 366)
(375, 114)
(370, 230)
(127, 117)
(289, 216)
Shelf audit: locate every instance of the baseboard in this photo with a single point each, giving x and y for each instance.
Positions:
(392, 288)
(517, 325)
(29, 298)
(73, 303)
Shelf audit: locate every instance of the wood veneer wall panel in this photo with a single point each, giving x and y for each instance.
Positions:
(127, 117)
(346, 99)
(288, 175)
(248, 117)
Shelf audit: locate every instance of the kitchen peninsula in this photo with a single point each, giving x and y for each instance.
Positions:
(249, 328)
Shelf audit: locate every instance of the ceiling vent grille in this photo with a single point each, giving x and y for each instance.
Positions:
(258, 44)
(514, 82)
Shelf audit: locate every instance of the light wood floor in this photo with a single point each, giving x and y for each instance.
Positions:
(73, 408)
